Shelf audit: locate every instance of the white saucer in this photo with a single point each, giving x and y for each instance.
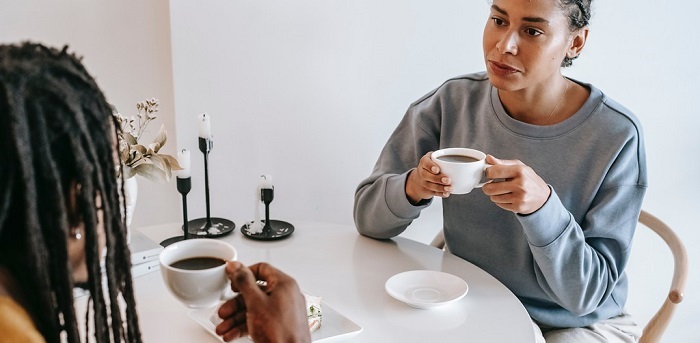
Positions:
(426, 288)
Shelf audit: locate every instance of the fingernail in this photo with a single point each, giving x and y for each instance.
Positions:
(445, 180)
(448, 189)
(434, 169)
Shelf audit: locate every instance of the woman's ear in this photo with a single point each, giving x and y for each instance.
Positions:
(578, 40)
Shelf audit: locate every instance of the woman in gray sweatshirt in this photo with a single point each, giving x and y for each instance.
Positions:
(557, 229)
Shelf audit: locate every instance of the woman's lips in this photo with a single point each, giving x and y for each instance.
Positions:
(502, 69)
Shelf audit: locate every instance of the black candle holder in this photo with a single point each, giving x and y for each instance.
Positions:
(273, 229)
(209, 226)
(184, 185)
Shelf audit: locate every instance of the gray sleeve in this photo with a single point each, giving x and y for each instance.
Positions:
(381, 208)
(578, 264)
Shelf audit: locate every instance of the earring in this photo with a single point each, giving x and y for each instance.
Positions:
(76, 234)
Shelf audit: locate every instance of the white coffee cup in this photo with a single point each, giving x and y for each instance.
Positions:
(201, 287)
(465, 167)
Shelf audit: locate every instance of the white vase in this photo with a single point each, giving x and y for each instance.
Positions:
(131, 192)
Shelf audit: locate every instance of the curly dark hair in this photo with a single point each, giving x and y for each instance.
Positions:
(57, 130)
(579, 14)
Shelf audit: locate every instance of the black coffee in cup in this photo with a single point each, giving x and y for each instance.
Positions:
(457, 158)
(198, 263)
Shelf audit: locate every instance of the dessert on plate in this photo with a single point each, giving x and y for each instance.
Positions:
(313, 311)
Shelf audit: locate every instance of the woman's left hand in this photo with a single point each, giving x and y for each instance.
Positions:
(521, 191)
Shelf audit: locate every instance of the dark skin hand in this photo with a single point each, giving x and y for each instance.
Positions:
(272, 313)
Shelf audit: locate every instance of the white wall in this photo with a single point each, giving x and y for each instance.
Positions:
(307, 91)
(126, 47)
(310, 90)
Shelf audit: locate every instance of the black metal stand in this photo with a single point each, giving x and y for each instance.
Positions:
(273, 229)
(184, 186)
(209, 227)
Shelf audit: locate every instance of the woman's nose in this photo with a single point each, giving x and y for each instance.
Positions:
(508, 44)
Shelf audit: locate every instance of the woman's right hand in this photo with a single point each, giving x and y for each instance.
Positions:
(426, 181)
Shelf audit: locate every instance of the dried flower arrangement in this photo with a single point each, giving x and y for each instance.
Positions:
(139, 159)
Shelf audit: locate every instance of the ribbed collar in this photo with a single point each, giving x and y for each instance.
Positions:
(536, 131)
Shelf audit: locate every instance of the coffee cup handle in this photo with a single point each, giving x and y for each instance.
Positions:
(481, 184)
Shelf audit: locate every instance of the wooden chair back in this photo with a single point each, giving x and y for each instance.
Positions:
(654, 329)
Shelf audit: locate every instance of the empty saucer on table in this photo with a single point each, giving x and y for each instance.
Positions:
(426, 288)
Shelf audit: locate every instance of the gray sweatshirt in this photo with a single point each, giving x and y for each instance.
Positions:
(566, 261)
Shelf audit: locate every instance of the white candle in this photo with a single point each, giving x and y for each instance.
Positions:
(256, 226)
(183, 158)
(266, 181)
(204, 126)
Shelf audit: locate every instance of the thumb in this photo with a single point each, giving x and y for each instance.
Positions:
(495, 161)
(243, 280)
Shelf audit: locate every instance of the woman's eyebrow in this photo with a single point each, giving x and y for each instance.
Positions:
(528, 19)
(499, 10)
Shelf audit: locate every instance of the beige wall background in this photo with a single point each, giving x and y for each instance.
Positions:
(286, 82)
(126, 47)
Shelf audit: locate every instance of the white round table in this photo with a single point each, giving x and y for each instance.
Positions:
(349, 272)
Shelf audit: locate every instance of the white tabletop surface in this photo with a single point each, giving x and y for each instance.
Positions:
(349, 272)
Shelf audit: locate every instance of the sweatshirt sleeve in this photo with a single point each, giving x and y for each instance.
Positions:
(579, 264)
(381, 209)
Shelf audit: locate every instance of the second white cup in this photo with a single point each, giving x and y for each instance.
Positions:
(194, 270)
(465, 167)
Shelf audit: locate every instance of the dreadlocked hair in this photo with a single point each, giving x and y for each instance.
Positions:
(57, 131)
(579, 14)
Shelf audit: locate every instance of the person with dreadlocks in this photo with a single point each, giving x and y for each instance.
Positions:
(60, 215)
(59, 202)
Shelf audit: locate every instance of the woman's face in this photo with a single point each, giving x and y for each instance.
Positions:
(525, 42)
(76, 241)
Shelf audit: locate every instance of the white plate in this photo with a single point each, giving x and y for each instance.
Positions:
(426, 288)
(334, 325)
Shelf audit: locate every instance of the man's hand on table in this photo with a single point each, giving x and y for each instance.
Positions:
(271, 313)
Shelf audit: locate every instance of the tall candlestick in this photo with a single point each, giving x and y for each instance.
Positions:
(208, 227)
(205, 147)
(183, 158)
(204, 126)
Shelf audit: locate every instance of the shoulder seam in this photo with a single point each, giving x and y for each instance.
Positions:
(637, 127)
(472, 77)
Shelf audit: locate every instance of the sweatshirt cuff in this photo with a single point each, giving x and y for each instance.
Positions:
(398, 202)
(545, 225)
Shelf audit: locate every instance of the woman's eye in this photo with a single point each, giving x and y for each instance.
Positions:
(498, 21)
(533, 32)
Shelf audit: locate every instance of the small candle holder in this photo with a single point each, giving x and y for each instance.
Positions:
(184, 185)
(273, 229)
(209, 226)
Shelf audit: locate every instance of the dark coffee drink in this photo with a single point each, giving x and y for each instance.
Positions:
(457, 158)
(198, 263)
